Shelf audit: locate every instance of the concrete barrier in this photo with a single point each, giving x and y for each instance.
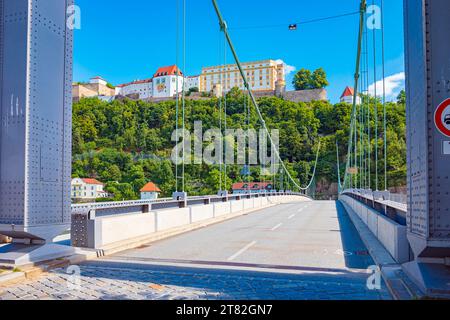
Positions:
(264, 202)
(394, 239)
(167, 219)
(237, 206)
(117, 231)
(113, 229)
(200, 213)
(222, 208)
(248, 204)
(391, 234)
(372, 221)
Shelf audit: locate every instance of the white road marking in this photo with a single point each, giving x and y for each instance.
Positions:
(237, 254)
(291, 216)
(276, 227)
(300, 210)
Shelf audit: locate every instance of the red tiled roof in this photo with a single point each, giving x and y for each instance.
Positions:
(135, 82)
(168, 71)
(150, 187)
(92, 181)
(348, 92)
(250, 185)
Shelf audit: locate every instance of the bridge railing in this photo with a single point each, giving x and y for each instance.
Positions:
(101, 225)
(133, 206)
(391, 205)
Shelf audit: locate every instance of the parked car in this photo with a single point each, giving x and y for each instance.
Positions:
(447, 119)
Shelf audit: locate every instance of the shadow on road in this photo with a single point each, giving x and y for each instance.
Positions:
(175, 282)
(355, 252)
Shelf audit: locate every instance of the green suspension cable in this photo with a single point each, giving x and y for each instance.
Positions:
(183, 94)
(357, 66)
(386, 187)
(376, 102)
(369, 145)
(225, 111)
(177, 103)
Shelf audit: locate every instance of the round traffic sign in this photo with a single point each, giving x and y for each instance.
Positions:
(442, 118)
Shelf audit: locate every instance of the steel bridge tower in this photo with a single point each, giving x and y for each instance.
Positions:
(35, 109)
(427, 47)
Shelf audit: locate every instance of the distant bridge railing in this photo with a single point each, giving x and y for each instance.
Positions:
(134, 206)
(391, 205)
(102, 225)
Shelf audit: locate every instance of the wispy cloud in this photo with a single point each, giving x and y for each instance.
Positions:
(394, 84)
(287, 68)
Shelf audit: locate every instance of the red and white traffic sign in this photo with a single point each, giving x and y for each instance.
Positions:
(442, 118)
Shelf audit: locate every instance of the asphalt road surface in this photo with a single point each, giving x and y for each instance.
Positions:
(296, 251)
(316, 235)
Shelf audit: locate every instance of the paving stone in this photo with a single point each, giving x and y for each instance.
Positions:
(116, 284)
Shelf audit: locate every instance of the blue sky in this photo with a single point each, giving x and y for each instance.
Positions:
(128, 40)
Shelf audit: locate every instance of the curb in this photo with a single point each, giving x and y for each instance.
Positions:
(11, 278)
(397, 282)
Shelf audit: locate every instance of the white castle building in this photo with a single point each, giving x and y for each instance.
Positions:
(164, 84)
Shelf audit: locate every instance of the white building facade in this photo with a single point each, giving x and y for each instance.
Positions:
(87, 189)
(143, 88)
(167, 81)
(262, 76)
(192, 82)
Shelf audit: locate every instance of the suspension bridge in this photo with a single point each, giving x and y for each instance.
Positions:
(283, 230)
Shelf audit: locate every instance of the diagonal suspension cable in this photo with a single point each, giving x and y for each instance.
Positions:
(355, 93)
(224, 29)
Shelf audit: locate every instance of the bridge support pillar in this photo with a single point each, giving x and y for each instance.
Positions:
(36, 118)
(428, 85)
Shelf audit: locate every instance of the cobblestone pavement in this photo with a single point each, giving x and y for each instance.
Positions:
(174, 283)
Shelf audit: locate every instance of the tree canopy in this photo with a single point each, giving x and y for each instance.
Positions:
(128, 143)
(304, 79)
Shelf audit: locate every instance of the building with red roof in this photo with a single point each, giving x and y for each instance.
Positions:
(165, 83)
(348, 96)
(87, 189)
(150, 191)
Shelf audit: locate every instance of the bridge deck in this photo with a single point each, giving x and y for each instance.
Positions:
(311, 234)
(299, 251)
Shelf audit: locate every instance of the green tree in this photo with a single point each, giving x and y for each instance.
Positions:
(305, 80)
(319, 79)
(302, 80)
(401, 98)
